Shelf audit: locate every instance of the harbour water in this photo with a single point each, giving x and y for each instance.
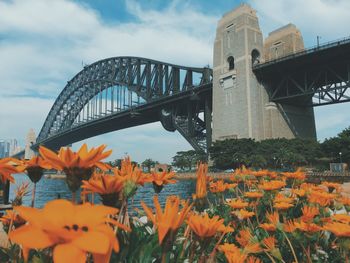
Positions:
(48, 189)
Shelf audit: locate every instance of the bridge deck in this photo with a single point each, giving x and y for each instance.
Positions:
(312, 77)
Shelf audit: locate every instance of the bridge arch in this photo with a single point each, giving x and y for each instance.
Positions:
(115, 85)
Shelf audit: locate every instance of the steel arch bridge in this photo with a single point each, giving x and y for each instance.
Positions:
(122, 92)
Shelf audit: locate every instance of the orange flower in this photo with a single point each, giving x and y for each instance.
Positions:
(241, 175)
(260, 173)
(253, 259)
(201, 184)
(299, 192)
(321, 198)
(298, 174)
(225, 229)
(7, 168)
(252, 248)
(280, 198)
(269, 243)
(344, 218)
(226, 247)
(204, 226)
(67, 159)
(233, 254)
(35, 168)
(272, 185)
(238, 204)
(331, 186)
(253, 194)
(282, 206)
(307, 227)
(244, 237)
(250, 182)
(171, 219)
(309, 212)
(77, 166)
(218, 186)
(131, 175)
(338, 229)
(268, 227)
(289, 226)
(273, 218)
(162, 178)
(107, 186)
(130, 172)
(345, 201)
(244, 214)
(73, 230)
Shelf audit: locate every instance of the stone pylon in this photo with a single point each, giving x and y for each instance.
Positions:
(30, 140)
(241, 106)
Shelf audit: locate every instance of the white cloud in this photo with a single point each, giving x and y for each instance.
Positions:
(326, 18)
(43, 44)
(19, 114)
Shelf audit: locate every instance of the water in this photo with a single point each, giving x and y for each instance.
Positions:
(48, 189)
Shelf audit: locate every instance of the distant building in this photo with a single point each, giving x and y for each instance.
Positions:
(9, 148)
(30, 140)
(14, 147)
(4, 148)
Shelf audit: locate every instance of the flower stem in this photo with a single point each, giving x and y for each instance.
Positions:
(270, 257)
(291, 247)
(74, 198)
(33, 194)
(164, 257)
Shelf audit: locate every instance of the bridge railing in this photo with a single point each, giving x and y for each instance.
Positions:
(316, 48)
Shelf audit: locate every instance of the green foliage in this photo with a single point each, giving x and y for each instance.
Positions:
(149, 163)
(280, 153)
(339, 144)
(187, 160)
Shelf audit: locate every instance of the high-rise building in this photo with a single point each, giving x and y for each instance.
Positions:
(4, 148)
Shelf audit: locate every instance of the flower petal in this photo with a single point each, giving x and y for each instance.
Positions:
(94, 242)
(31, 237)
(68, 253)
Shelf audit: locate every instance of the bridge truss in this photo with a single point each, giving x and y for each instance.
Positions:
(140, 89)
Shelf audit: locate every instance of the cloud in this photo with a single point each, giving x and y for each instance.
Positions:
(19, 114)
(325, 18)
(44, 43)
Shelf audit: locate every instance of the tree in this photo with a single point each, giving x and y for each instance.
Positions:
(149, 163)
(232, 153)
(332, 147)
(115, 163)
(188, 159)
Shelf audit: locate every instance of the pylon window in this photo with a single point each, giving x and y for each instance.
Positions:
(231, 63)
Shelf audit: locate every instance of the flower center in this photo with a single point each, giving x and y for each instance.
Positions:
(75, 227)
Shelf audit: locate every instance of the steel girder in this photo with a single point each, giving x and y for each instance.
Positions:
(312, 88)
(313, 77)
(147, 79)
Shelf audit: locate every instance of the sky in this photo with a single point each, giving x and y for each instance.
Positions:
(43, 44)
